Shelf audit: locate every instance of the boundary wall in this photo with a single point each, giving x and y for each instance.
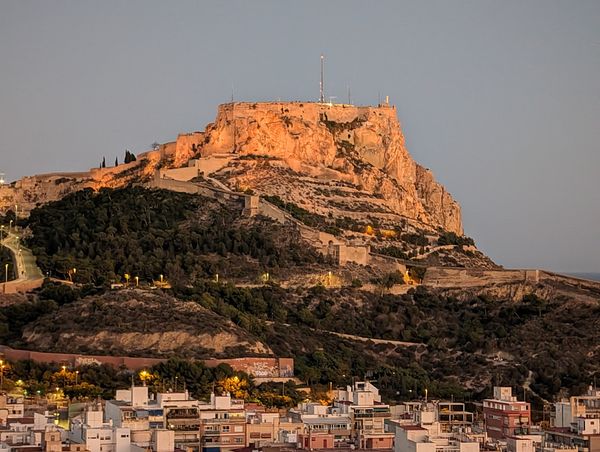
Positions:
(257, 367)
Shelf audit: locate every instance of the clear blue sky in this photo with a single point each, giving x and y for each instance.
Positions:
(501, 99)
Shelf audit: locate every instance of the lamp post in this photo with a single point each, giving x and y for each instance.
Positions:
(76, 377)
(10, 225)
(1, 374)
(5, 273)
(1, 233)
(137, 281)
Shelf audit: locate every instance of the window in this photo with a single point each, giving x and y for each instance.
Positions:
(225, 429)
(239, 440)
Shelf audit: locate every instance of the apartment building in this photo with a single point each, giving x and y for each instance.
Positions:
(90, 431)
(147, 417)
(505, 416)
(222, 424)
(11, 407)
(576, 423)
(362, 403)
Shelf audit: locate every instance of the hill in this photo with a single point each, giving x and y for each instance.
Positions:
(140, 323)
(346, 166)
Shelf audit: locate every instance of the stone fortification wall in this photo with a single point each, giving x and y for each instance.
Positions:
(183, 174)
(327, 244)
(196, 167)
(511, 284)
(309, 111)
(186, 147)
(387, 263)
(21, 286)
(471, 277)
(354, 253)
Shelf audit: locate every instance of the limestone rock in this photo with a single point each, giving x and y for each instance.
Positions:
(359, 149)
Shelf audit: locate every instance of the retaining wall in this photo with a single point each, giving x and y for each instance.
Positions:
(257, 367)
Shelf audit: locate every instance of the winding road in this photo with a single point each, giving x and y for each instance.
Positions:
(29, 276)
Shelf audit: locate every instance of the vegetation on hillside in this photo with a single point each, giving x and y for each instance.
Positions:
(467, 345)
(87, 382)
(147, 233)
(462, 346)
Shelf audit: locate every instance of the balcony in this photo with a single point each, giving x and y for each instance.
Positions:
(231, 420)
(184, 427)
(182, 414)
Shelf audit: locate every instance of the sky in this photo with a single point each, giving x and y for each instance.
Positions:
(501, 99)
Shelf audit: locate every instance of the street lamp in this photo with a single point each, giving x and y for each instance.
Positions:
(1, 374)
(137, 281)
(76, 375)
(5, 273)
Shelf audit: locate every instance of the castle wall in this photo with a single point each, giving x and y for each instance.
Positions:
(309, 111)
(19, 286)
(386, 264)
(180, 174)
(471, 277)
(209, 165)
(358, 254)
(186, 146)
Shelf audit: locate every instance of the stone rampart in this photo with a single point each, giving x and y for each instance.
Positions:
(21, 286)
(309, 111)
(446, 277)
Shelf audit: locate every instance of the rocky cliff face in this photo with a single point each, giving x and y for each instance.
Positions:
(335, 160)
(358, 147)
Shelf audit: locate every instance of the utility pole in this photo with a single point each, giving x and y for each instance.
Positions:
(322, 85)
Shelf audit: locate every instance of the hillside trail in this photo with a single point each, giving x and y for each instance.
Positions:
(354, 337)
(28, 274)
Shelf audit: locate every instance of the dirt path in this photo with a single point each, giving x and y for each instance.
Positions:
(353, 337)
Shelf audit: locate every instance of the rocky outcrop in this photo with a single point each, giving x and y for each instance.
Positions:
(361, 148)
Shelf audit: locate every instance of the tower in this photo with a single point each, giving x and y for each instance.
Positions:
(322, 85)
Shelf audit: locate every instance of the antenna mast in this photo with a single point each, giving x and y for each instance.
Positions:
(322, 97)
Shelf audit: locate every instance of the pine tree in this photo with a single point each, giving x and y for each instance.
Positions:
(116, 161)
(103, 162)
(129, 157)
